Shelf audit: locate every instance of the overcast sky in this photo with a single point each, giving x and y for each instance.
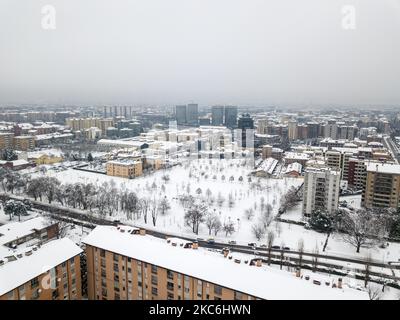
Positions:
(259, 52)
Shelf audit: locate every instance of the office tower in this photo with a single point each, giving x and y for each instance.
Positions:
(181, 114)
(246, 124)
(217, 115)
(231, 113)
(192, 115)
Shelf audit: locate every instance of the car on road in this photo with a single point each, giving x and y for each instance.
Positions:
(275, 247)
(263, 246)
(252, 244)
(232, 242)
(200, 239)
(210, 241)
(286, 248)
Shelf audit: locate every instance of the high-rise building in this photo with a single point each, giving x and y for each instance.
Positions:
(321, 190)
(192, 115)
(312, 130)
(382, 186)
(357, 173)
(292, 130)
(6, 140)
(231, 114)
(331, 129)
(246, 124)
(181, 114)
(217, 116)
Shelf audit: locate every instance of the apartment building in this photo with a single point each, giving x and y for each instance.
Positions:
(382, 186)
(34, 265)
(6, 140)
(357, 173)
(125, 168)
(45, 272)
(339, 160)
(321, 190)
(24, 143)
(124, 265)
(81, 124)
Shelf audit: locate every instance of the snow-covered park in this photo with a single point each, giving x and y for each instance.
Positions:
(231, 193)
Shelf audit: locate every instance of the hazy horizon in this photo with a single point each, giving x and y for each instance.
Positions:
(260, 52)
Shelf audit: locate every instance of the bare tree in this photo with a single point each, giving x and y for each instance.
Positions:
(249, 213)
(195, 215)
(164, 206)
(211, 221)
(228, 227)
(300, 248)
(270, 243)
(374, 292)
(258, 230)
(361, 228)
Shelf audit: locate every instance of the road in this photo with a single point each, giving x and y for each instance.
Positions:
(82, 218)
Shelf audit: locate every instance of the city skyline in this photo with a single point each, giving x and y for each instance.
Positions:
(286, 53)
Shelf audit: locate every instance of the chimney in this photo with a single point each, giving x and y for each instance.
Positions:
(225, 251)
(340, 283)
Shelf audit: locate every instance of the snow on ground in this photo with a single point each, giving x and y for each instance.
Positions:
(208, 174)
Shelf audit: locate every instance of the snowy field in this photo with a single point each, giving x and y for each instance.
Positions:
(222, 178)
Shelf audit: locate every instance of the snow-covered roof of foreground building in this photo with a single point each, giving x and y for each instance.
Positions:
(14, 230)
(383, 167)
(17, 272)
(262, 282)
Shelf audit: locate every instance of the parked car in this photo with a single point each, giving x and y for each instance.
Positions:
(286, 248)
(263, 246)
(275, 247)
(210, 241)
(232, 242)
(252, 244)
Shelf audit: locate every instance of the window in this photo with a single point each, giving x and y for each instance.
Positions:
(129, 270)
(154, 291)
(170, 286)
(238, 295)
(154, 280)
(55, 294)
(153, 269)
(10, 295)
(102, 253)
(35, 294)
(170, 296)
(21, 290)
(115, 257)
(34, 283)
(217, 289)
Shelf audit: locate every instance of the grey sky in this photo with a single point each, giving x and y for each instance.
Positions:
(260, 52)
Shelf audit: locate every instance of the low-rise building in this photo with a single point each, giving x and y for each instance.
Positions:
(124, 168)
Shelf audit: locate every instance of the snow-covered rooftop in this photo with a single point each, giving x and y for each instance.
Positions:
(17, 272)
(14, 230)
(268, 165)
(262, 282)
(383, 167)
(295, 166)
